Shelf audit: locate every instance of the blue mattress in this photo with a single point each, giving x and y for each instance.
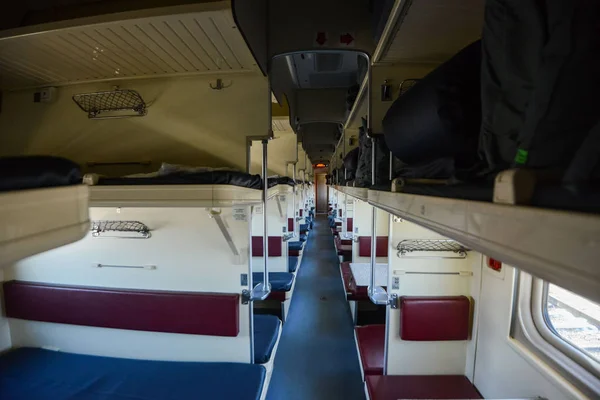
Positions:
(280, 281)
(295, 245)
(293, 263)
(266, 332)
(32, 374)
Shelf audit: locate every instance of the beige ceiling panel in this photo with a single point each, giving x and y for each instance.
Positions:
(182, 44)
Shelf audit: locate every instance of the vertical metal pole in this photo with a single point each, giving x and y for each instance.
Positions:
(267, 285)
(391, 165)
(294, 195)
(373, 223)
(387, 308)
(345, 213)
(248, 156)
(250, 286)
(344, 153)
(305, 185)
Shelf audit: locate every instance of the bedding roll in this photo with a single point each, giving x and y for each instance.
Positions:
(440, 116)
(32, 172)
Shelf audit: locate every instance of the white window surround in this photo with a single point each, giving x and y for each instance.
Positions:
(536, 339)
(548, 328)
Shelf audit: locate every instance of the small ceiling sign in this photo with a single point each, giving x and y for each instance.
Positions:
(321, 39)
(346, 39)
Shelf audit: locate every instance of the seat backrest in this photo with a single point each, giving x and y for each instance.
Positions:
(435, 318)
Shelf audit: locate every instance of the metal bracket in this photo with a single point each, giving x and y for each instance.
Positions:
(279, 206)
(216, 215)
(259, 293)
(393, 301)
(380, 297)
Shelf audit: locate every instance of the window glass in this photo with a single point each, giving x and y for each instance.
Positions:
(574, 319)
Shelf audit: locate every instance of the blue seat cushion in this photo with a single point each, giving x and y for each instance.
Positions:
(280, 281)
(303, 238)
(292, 263)
(295, 245)
(37, 374)
(266, 332)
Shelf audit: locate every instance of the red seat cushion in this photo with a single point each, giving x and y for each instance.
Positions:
(371, 344)
(435, 318)
(381, 246)
(394, 387)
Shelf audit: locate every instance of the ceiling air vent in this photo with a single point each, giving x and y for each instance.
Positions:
(328, 62)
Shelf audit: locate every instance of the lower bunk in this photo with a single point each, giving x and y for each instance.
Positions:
(393, 387)
(206, 321)
(32, 373)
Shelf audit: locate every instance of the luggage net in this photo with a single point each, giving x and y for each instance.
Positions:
(406, 247)
(123, 229)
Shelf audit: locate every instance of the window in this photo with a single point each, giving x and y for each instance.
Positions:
(561, 328)
(573, 319)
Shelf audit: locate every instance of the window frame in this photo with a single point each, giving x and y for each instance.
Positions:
(536, 334)
(548, 331)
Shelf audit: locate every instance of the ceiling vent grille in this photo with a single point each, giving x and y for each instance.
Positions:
(328, 62)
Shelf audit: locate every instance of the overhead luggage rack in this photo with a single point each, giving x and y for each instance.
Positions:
(120, 103)
(410, 247)
(120, 229)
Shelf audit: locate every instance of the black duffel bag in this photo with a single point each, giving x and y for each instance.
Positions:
(364, 167)
(440, 116)
(351, 161)
(540, 84)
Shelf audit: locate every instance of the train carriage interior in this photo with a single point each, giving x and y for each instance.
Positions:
(299, 200)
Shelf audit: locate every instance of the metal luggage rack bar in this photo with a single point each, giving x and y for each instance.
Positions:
(408, 246)
(120, 229)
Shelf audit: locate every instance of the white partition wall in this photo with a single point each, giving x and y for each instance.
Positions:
(277, 221)
(362, 227)
(348, 214)
(428, 273)
(186, 251)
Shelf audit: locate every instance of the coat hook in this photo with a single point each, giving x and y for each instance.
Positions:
(220, 85)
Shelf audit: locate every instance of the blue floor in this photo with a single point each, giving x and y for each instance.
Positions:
(316, 358)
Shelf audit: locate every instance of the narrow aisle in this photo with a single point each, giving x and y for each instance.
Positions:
(317, 358)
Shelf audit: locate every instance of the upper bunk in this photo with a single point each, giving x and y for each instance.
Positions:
(182, 186)
(355, 192)
(74, 76)
(43, 205)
